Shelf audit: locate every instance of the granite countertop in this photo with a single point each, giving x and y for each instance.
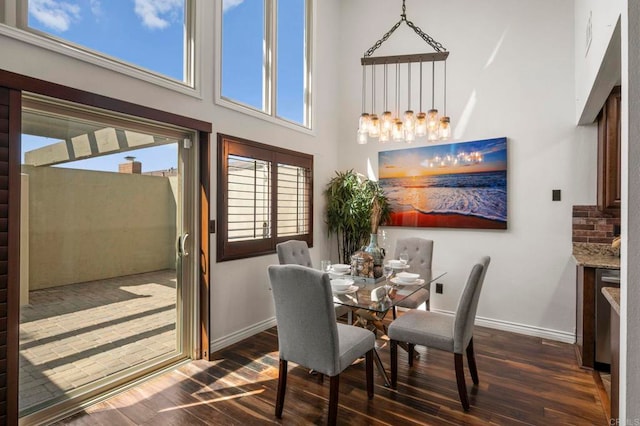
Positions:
(596, 255)
(613, 296)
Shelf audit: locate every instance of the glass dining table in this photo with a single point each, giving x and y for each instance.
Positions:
(370, 301)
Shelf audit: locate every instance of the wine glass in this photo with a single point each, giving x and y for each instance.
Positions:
(387, 270)
(404, 258)
(325, 265)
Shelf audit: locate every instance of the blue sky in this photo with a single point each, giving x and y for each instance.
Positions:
(150, 34)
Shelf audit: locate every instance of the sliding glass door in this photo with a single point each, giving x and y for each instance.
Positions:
(107, 235)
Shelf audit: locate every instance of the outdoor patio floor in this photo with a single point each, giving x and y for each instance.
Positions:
(76, 334)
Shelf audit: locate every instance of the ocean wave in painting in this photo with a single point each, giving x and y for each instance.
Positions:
(474, 194)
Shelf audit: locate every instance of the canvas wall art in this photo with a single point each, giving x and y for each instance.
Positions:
(459, 185)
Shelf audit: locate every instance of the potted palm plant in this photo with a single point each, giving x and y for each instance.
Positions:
(356, 206)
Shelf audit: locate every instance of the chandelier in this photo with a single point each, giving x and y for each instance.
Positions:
(408, 126)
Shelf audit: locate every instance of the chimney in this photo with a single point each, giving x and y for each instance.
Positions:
(131, 166)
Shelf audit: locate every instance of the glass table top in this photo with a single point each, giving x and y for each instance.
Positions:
(362, 297)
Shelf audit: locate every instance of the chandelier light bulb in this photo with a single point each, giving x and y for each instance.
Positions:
(398, 131)
(362, 137)
(409, 121)
(386, 122)
(374, 126)
(364, 122)
(445, 128)
(421, 124)
(409, 135)
(384, 135)
(433, 120)
(433, 125)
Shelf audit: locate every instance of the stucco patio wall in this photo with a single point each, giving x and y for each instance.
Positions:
(89, 225)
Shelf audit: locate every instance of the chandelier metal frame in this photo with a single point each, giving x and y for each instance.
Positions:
(369, 124)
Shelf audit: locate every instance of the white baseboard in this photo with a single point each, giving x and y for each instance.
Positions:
(545, 333)
(236, 337)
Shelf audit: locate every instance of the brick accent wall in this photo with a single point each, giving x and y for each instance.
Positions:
(591, 225)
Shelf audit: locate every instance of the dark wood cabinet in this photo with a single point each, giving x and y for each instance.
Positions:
(609, 169)
(585, 316)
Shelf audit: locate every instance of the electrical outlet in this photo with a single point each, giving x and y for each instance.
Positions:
(439, 288)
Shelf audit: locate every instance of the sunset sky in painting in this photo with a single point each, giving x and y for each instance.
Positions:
(426, 161)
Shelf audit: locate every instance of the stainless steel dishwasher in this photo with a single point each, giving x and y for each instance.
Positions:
(604, 278)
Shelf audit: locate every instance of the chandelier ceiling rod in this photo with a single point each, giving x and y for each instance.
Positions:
(404, 59)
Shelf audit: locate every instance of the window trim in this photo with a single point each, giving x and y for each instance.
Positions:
(251, 248)
(17, 28)
(269, 109)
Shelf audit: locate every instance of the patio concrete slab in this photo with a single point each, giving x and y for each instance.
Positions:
(76, 334)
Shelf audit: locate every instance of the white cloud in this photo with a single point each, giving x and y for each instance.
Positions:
(96, 7)
(229, 4)
(56, 15)
(156, 14)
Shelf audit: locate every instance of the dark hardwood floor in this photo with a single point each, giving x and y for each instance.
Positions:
(523, 380)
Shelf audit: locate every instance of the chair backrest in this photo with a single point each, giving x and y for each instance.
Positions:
(294, 252)
(420, 253)
(468, 305)
(307, 329)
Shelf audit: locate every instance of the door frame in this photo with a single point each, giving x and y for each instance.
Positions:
(16, 84)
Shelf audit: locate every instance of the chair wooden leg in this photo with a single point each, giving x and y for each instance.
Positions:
(282, 386)
(471, 360)
(334, 389)
(462, 386)
(369, 372)
(411, 352)
(394, 364)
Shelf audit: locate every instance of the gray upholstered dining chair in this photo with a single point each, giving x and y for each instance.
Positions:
(294, 252)
(309, 335)
(444, 332)
(420, 253)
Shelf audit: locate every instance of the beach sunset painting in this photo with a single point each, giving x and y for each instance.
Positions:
(460, 185)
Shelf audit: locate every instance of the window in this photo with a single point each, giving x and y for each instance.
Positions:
(265, 59)
(264, 197)
(149, 34)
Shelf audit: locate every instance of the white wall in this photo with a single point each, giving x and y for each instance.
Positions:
(510, 73)
(630, 267)
(598, 66)
(240, 296)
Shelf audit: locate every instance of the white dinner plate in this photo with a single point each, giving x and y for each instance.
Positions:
(339, 274)
(351, 289)
(400, 267)
(340, 267)
(396, 281)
